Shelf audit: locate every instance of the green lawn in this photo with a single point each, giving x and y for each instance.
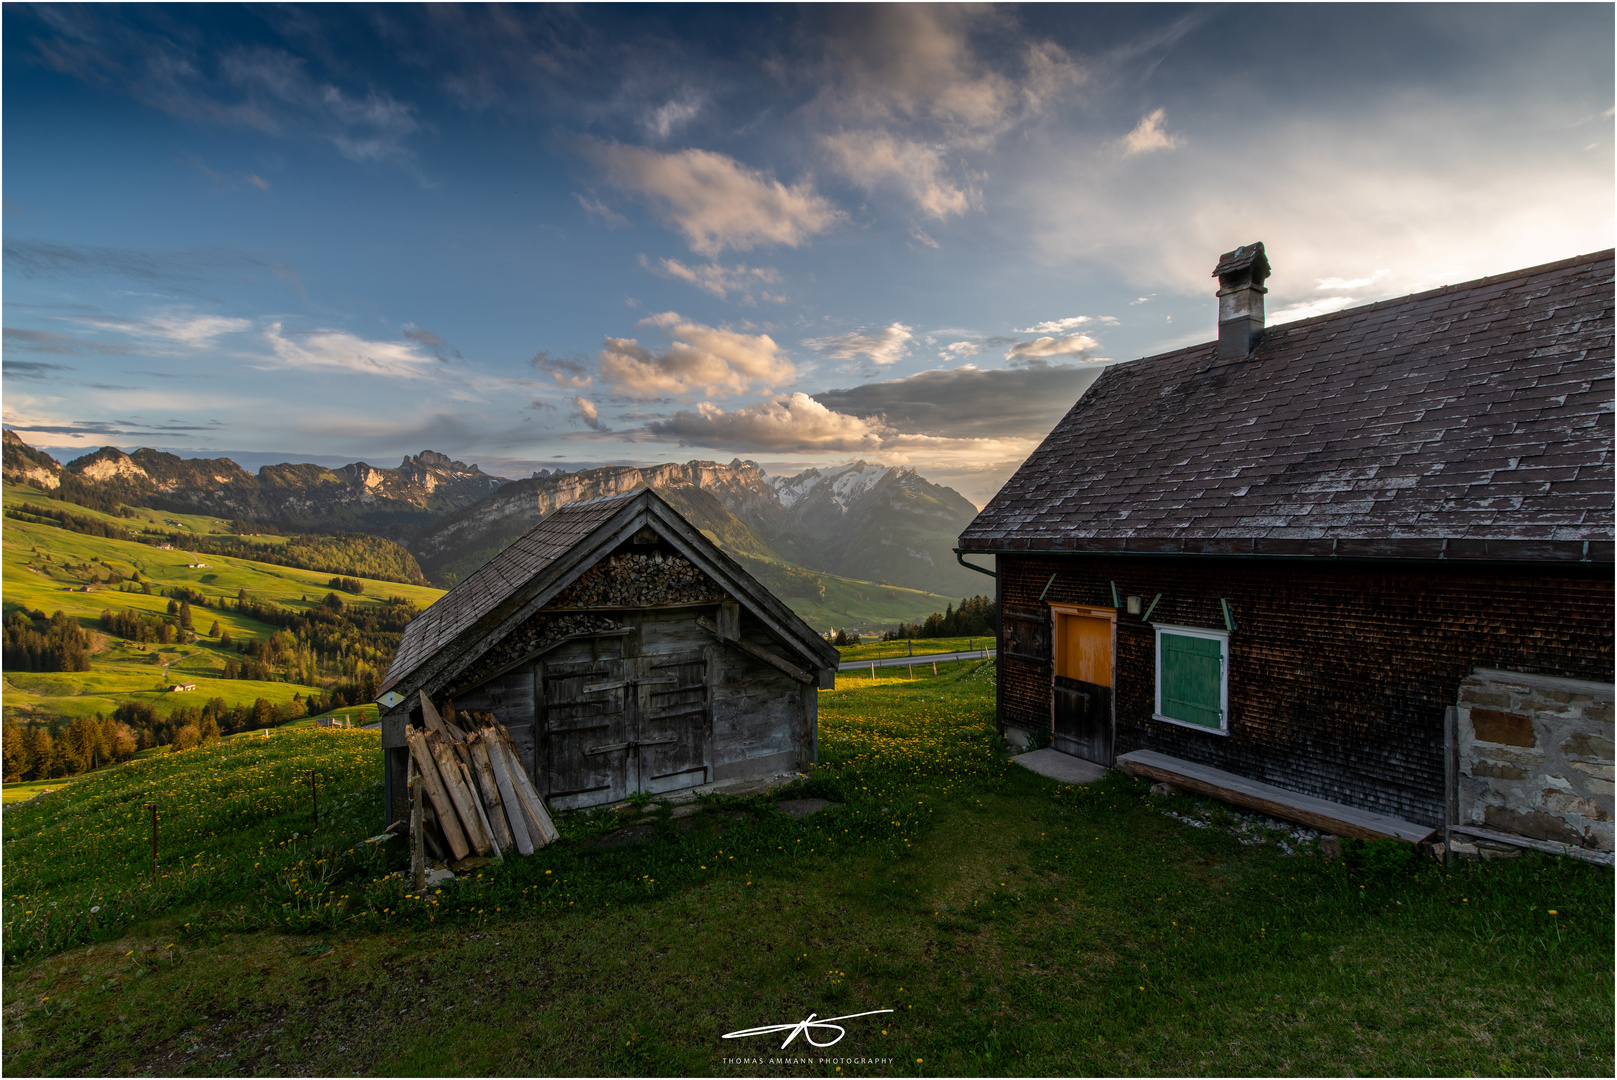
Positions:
(878, 650)
(1014, 925)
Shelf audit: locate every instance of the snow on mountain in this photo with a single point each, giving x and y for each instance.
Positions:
(844, 484)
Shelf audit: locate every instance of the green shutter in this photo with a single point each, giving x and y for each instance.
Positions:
(1192, 678)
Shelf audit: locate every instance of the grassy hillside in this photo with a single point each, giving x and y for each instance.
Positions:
(1013, 925)
(49, 569)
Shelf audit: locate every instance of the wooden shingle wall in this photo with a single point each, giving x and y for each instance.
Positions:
(1339, 673)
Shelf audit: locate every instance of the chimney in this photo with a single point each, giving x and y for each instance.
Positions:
(1240, 274)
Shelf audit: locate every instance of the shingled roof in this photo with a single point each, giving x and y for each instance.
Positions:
(468, 602)
(1472, 421)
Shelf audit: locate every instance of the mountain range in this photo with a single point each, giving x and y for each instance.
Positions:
(874, 523)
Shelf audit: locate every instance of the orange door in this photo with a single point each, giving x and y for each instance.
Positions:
(1088, 646)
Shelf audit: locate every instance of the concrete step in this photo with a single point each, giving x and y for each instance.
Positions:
(1277, 802)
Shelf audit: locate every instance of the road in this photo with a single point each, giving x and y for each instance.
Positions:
(925, 658)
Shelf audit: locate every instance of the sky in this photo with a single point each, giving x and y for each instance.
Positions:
(543, 236)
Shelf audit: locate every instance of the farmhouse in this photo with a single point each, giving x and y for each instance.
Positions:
(624, 652)
(1263, 568)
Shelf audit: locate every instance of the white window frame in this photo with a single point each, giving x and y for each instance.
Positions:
(1223, 638)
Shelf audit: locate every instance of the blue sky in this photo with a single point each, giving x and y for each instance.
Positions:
(541, 235)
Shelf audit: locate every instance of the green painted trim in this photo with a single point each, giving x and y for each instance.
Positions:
(1047, 585)
(1115, 602)
(1147, 616)
(1229, 620)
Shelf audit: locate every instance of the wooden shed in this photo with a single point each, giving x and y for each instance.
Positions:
(624, 652)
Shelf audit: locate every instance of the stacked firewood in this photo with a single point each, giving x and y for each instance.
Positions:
(531, 637)
(634, 580)
(469, 793)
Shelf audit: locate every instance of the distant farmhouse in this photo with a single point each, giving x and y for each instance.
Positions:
(1263, 568)
(624, 652)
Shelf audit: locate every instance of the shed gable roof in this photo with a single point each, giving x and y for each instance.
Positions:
(555, 552)
(1470, 421)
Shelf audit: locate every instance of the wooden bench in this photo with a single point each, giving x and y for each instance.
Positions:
(1277, 802)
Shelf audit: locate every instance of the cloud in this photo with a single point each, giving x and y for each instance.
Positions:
(1148, 135)
(31, 369)
(49, 341)
(872, 159)
(1057, 326)
(1041, 349)
(716, 279)
(338, 350)
(259, 88)
(568, 373)
(444, 351)
(1435, 190)
(705, 360)
(715, 200)
(538, 405)
(1333, 284)
(601, 212)
(1307, 309)
(796, 422)
(186, 271)
(672, 114)
(883, 347)
(163, 333)
(1021, 403)
(584, 409)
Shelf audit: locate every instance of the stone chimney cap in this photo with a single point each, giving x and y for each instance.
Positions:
(1249, 258)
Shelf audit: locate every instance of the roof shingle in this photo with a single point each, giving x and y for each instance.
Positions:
(1475, 412)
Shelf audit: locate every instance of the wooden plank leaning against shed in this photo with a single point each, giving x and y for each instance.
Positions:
(495, 760)
(490, 790)
(449, 771)
(427, 772)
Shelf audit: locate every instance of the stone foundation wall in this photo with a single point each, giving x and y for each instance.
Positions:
(1535, 757)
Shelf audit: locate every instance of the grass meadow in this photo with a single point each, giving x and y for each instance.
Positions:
(45, 568)
(1013, 925)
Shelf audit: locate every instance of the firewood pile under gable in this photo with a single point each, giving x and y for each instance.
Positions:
(533, 636)
(640, 580)
(469, 794)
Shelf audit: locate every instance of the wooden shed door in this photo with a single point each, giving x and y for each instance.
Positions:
(617, 727)
(672, 723)
(1081, 707)
(587, 733)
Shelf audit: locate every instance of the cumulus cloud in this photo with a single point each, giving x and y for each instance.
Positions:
(719, 280)
(569, 373)
(338, 350)
(881, 347)
(1148, 135)
(1042, 349)
(699, 359)
(796, 422)
(714, 200)
(584, 409)
(872, 159)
